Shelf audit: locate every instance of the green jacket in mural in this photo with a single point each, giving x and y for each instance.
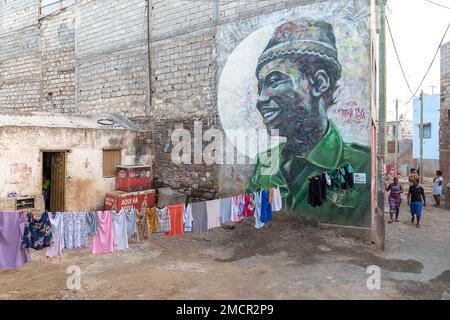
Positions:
(348, 207)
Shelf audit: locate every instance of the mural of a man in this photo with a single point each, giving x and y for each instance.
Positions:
(298, 74)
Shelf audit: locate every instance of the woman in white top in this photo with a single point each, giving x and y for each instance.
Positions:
(438, 184)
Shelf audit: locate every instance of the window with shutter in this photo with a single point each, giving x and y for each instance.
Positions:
(111, 159)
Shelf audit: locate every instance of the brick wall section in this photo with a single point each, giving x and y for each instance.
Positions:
(91, 57)
(20, 67)
(112, 60)
(445, 109)
(58, 62)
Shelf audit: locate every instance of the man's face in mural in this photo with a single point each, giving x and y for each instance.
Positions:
(290, 101)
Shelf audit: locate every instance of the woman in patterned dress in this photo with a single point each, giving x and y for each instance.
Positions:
(395, 199)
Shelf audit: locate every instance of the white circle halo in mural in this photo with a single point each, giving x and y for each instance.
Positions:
(238, 92)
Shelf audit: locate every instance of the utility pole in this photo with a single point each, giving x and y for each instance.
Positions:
(380, 220)
(396, 137)
(421, 137)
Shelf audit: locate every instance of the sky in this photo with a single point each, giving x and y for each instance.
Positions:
(417, 27)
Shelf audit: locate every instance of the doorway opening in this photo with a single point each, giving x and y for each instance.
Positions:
(54, 181)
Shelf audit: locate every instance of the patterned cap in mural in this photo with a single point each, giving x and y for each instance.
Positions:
(302, 37)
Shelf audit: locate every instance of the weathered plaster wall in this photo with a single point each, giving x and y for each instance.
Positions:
(21, 168)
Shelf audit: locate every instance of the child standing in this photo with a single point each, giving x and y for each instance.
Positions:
(438, 183)
(416, 201)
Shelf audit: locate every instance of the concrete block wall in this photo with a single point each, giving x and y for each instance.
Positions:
(112, 57)
(20, 65)
(58, 62)
(90, 57)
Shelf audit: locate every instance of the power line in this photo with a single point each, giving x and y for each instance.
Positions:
(438, 4)
(398, 57)
(431, 65)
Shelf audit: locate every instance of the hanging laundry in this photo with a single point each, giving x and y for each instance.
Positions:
(237, 209)
(266, 208)
(338, 178)
(57, 222)
(213, 212)
(120, 230)
(200, 217)
(187, 218)
(75, 230)
(176, 220)
(38, 232)
(343, 173)
(91, 224)
(249, 205)
(163, 219)
(12, 227)
(258, 206)
(349, 171)
(271, 196)
(142, 225)
(316, 191)
(131, 219)
(277, 203)
(104, 240)
(328, 179)
(225, 210)
(323, 187)
(152, 220)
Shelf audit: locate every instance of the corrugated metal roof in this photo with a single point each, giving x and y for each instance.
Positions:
(60, 120)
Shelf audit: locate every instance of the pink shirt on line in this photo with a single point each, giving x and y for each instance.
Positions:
(103, 242)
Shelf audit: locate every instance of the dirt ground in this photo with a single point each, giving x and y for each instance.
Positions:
(285, 260)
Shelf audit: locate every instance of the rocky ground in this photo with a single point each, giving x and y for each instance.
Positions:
(286, 260)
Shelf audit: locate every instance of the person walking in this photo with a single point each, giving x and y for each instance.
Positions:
(416, 201)
(395, 199)
(438, 184)
(412, 176)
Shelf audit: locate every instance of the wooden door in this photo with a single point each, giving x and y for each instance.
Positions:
(58, 182)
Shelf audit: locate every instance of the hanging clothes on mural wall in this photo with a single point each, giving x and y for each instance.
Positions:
(12, 227)
(258, 207)
(277, 202)
(266, 208)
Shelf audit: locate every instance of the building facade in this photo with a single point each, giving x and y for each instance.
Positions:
(207, 67)
(445, 115)
(431, 118)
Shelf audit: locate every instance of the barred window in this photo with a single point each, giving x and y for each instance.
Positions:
(50, 6)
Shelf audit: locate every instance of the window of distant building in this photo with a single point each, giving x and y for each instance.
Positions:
(50, 6)
(427, 131)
